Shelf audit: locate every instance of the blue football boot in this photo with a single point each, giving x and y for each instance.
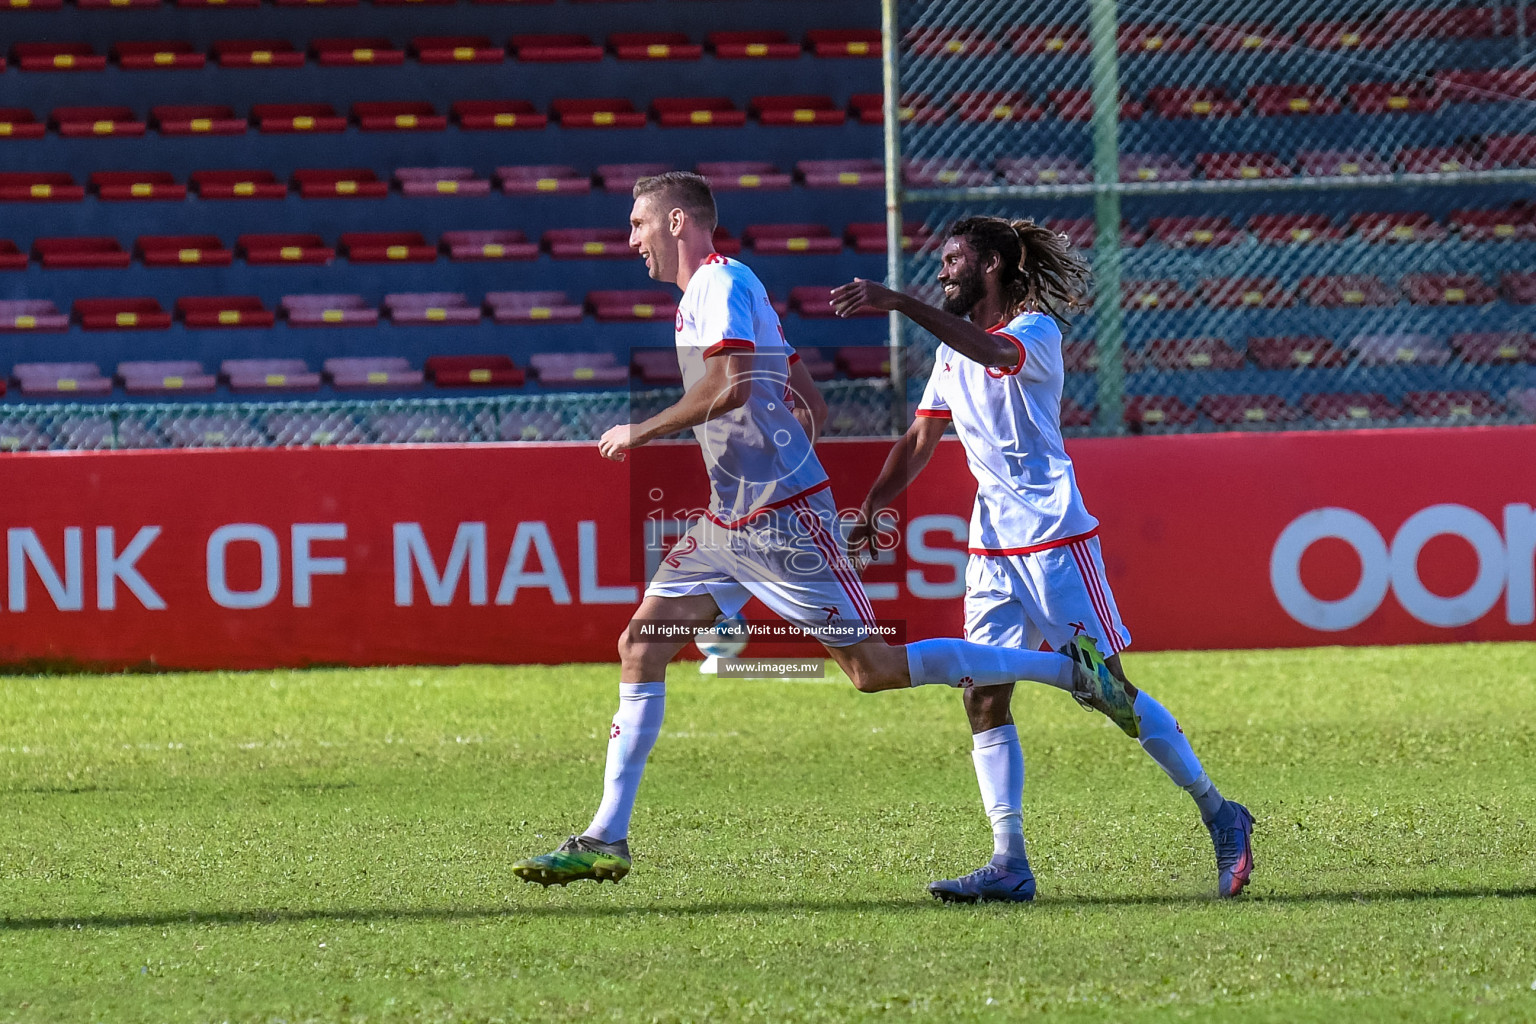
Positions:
(1004, 879)
(1232, 835)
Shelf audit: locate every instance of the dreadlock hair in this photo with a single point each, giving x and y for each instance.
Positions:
(1040, 269)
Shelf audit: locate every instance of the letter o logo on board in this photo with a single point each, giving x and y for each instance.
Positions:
(1285, 569)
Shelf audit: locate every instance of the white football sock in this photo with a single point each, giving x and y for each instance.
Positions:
(999, 764)
(636, 725)
(949, 662)
(1162, 738)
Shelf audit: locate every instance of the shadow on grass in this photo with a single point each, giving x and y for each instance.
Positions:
(902, 906)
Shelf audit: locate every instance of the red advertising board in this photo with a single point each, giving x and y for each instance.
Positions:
(535, 553)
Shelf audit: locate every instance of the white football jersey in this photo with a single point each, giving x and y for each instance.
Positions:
(1009, 422)
(758, 456)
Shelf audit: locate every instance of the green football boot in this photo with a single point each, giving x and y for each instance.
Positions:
(1095, 687)
(577, 858)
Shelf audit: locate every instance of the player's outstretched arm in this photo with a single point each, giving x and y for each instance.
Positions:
(958, 333)
(725, 386)
(810, 407)
(906, 460)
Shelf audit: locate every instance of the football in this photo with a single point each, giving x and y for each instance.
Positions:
(725, 639)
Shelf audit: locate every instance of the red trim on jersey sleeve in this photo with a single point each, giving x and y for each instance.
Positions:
(794, 357)
(715, 257)
(1008, 371)
(729, 345)
(937, 414)
(1032, 548)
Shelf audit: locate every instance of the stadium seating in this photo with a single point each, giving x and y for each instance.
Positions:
(284, 247)
(387, 372)
(387, 247)
(798, 109)
(154, 56)
(1247, 293)
(531, 307)
(650, 304)
(862, 361)
(126, 314)
(1293, 352)
(328, 311)
(488, 245)
(31, 315)
(1247, 410)
(39, 186)
(1451, 405)
(497, 115)
(355, 50)
(1153, 412)
(697, 112)
(431, 308)
(1342, 290)
(790, 238)
(1399, 348)
(224, 311)
(587, 243)
(613, 112)
(474, 371)
(1184, 354)
(656, 367)
(238, 185)
(268, 375)
(1492, 348)
(60, 380)
(441, 181)
(165, 377)
(752, 44)
(572, 369)
(734, 175)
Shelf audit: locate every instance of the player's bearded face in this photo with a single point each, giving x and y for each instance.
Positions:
(648, 235)
(963, 283)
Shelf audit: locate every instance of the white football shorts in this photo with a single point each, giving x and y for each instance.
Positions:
(1051, 596)
(791, 558)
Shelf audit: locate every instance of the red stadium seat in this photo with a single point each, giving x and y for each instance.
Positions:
(1294, 352)
(1184, 102)
(258, 375)
(224, 311)
(457, 50)
(816, 363)
(656, 367)
(1241, 166)
(1031, 39)
(1459, 86)
(79, 253)
(362, 372)
(421, 308)
(503, 244)
(356, 50)
(1495, 348)
(1287, 100)
(1188, 232)
(869, 236)
(134, 314)
(1154, 38)
(1247, 293)
(697, 111)
(339, 183)
(844, 42)
(1153, 167)
(622, 177)
(1410, 226)
(559, 48)
(814, 301)
(1294, 227)
(1184, 354)
(1444, 23)
(77, 122)
(165, 377)
(1516, 83)
(20, 123)
(57, 57)
(1074, 415)
(297, 117)
(441, 181)
(287, 247)
(654, 46)
(11, 257)
(948, 41)
(157, 56)
(1341, 35)
(598, 113)
(531, 307)
(1143, 412)
(1350, 407)
(1250, 38)
(587, 243)
(1163, 293)
(130, 185)
(863, 361)
(1077, 105)
(387, 247)
(916, 108)
(328, 311)
(769, 44)
(1393, 97)
(398, 116)
(632, 305)
(845, 173)
(238, 185)
(39, 187)
(736, 175)
(197, 119)
(791, 238)
(257, 53)
(1447, 290)
(944, 173)
(31, 315)
(183, 251)
(1439, 160)
(539, 179)
(798, 109)
(60, 380)
(568, 369)
(1344, 290)
(1340, 163)
(488, 371)
(1402, 348)
(996, 107)
(491, 115)
(1247, 410)
(1451, 405)
(1518, 287)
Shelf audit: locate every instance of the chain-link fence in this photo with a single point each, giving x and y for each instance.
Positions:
(1323, 209)
(855, 408)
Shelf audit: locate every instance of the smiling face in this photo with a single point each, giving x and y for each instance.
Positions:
(962, 276)
(652, 235)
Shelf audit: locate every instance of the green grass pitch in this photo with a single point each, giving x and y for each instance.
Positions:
(335, 846)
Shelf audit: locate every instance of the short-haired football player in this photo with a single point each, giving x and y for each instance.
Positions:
(770, 532)
(1035, 572)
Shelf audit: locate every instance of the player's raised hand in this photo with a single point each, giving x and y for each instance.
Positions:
(616, 440)
(860, 294)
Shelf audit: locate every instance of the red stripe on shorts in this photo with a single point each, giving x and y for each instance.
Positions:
(838, 565)
(1083, 556)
